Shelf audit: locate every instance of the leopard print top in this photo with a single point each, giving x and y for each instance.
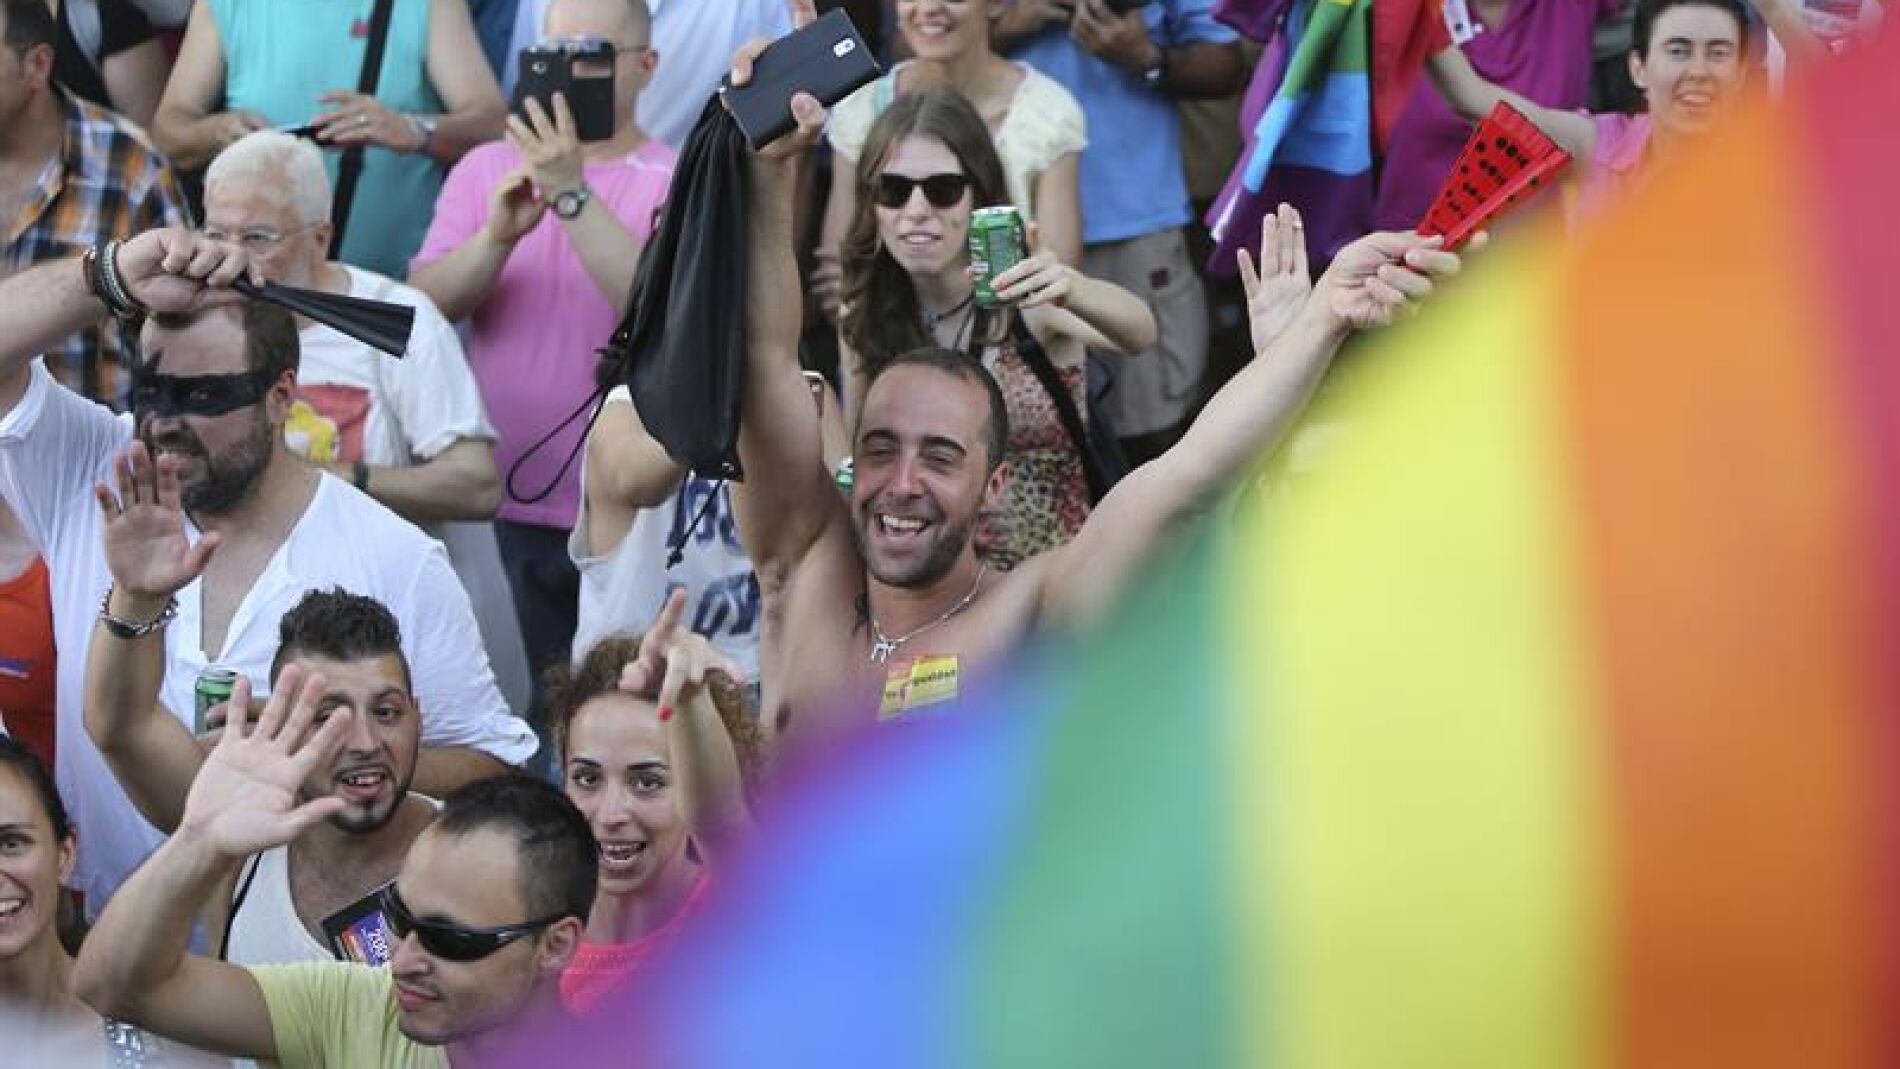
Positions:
(1048, 494)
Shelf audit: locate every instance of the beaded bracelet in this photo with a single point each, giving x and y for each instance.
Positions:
(119, 299)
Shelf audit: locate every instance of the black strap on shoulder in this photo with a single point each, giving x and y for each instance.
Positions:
(237, 903)
(350, 169)
(1032, 353)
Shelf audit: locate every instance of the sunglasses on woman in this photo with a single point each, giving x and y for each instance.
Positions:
(941, 190)
(452, 942)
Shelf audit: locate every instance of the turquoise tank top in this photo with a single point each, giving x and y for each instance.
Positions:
(280, 55)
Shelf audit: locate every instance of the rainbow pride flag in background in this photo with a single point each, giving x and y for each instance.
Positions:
(1552, 721)
(1335, 76)
(1310, 144)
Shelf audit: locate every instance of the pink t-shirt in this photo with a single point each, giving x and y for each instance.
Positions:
(532, 340)
(599, 969)
(1614, 167)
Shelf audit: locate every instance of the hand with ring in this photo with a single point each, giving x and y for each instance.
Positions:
(355, 119)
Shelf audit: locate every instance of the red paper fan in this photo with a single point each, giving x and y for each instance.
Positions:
(1508, 159)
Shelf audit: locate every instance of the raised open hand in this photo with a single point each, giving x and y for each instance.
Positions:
(245, 798)
(146, 546)
(1279, 287)
(645, 674)
(1379, 276)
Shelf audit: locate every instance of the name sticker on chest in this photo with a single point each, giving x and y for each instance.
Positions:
(918, 684)
(358, 932)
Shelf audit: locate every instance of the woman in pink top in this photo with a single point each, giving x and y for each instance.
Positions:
(1689, 59)
(658, 750)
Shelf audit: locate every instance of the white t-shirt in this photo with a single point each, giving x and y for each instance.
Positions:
(54, 445)
(356, 403)
(695, 40)
(624, 585)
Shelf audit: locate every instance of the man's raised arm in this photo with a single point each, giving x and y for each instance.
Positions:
(134, 966)
(165, 270)
(150, 752)
(1369, 284)
(785, 501)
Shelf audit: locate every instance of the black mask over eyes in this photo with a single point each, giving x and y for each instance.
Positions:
(158, 394)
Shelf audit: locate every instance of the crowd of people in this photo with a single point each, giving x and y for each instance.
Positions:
(364, 710)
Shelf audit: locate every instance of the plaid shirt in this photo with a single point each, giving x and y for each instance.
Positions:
(106, 182)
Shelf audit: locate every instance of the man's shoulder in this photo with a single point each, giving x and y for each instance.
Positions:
(336, 1013)
(108, 139)
(381, 287)
(46, 400)
(308, 990)
(483, 164)
(645, 170)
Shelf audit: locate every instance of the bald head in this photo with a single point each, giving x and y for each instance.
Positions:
(625, 22)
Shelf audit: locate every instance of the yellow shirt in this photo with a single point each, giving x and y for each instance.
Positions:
(338, 1015)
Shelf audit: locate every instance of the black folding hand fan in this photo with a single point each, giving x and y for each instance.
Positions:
(378, 323)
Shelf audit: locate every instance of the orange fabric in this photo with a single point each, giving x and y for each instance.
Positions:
(27, 665)
(1747, 798)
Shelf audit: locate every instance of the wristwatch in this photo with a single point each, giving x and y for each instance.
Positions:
(424, 125)
(569, 202)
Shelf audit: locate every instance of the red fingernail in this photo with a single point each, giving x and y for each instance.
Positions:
(666, 713)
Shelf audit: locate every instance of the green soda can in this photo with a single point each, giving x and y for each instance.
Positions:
(213, 688)
(996, 245)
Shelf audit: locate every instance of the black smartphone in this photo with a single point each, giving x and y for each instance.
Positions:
(1123, 7)
(580, 70)
(827, 59)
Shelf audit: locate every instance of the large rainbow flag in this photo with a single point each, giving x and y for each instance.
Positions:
(1550, 722)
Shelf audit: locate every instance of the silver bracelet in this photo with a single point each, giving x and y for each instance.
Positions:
(131, 629)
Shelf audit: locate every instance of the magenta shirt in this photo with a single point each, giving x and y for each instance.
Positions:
(1543, 51)
(1614, 167)
(532, 340)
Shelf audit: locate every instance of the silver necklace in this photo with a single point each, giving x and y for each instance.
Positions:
(882, 649)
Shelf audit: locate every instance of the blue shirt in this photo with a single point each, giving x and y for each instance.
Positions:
(1132, 179)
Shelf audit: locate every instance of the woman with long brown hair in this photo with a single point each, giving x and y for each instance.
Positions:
(1037, 125)
(928, 163)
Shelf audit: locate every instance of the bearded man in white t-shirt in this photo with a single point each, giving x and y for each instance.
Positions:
(411, 432)
(216, 381)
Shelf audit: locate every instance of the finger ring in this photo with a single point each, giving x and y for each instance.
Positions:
(362, 120)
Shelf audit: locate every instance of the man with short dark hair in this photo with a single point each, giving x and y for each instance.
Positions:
(212, 394)
(71, 175)
(487, 910)
(283, 896)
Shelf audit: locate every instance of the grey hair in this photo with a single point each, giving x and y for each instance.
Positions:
(277, 160)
